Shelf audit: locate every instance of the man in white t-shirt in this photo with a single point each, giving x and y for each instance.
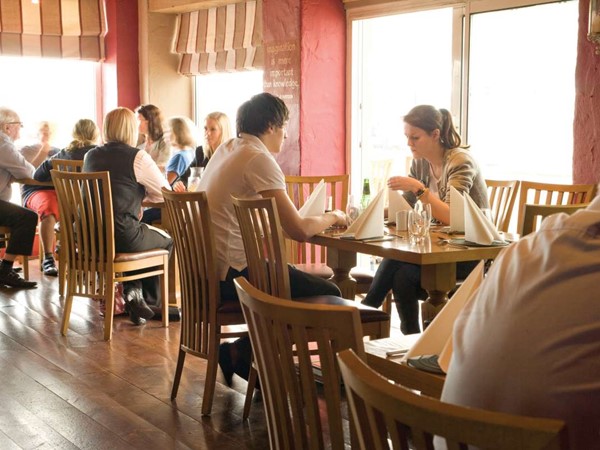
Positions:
(245, 167)
(529, 342)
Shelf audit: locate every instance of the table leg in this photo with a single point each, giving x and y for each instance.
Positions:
(438, 280)
(341, 262)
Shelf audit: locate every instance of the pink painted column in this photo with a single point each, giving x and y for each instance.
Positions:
(305, 57)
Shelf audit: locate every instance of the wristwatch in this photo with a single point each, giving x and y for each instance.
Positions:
(421, 192)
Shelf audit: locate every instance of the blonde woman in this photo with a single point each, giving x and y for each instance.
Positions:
(42, 199)
(134, 177)
(217, 129)
(183, 145)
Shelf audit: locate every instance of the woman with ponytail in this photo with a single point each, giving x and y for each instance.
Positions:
(439, 162)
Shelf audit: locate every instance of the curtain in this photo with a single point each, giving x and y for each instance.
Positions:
(222, 39)
(53, 28)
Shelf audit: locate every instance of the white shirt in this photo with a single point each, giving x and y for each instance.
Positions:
(149, 175)
(242, 167)
(529, 343)
(12, 165)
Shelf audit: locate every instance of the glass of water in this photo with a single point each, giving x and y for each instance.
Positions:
(194, 179)
(418, 224)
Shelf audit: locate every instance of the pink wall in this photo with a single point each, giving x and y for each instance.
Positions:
(586, 127)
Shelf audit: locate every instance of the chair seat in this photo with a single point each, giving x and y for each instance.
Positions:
(362, 276)
(229, 307)
(368, 314)
(128, 257)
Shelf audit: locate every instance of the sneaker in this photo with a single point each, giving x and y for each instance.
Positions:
(137, 307)
(49, 267)
(12, 279)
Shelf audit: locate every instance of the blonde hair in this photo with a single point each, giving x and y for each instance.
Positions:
(181, 132)
(223, 123)
(120, 125)
(85, 133)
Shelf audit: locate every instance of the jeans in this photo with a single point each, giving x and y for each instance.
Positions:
(404, 279)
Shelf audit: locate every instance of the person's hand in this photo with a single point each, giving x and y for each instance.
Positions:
(178, 186)
(404, 184)
(341, 219)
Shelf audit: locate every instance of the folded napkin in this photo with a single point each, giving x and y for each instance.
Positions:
(457, 211)
(437, 337)
(315, 203)
(479, 229)
(396, 203)
(370, 223)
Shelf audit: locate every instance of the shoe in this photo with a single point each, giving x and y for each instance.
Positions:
(225, 362)
(136, 307)
(174, 313)
(12, 279)
(17, 269)
(49, 267)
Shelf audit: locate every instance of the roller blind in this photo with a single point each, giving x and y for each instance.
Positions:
(53, 28)
(221, 39)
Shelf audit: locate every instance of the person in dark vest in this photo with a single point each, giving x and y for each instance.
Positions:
(134, 177)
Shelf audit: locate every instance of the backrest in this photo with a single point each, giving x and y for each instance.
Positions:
(85, 201)
(382, 410)
(67, 165)
(192, 232)
(534, 214)
(502, 195)
(299, 189)
(264, 245)
(284, 334)
(553, 194)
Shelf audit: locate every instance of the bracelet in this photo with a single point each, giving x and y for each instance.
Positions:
(421, 192)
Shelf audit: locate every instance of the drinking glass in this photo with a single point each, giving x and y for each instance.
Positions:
(194, 179)
(418, 224)
(352, 210)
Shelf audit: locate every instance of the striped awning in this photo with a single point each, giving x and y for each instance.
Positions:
(222, 39)
(53, 28)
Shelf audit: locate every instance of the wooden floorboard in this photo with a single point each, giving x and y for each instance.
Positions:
(79, 392)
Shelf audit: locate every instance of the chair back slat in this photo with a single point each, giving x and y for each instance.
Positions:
(502, 195)
(288, 339)
(299, 189)
(379, 407)
(67, 165)
(552, 194)
(263, 244)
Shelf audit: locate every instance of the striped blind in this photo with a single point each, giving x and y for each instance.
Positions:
(221, 39)
(53, 28)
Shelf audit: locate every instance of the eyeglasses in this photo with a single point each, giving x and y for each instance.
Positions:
(15, 123)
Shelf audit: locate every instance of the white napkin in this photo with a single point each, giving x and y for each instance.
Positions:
(457, 211)
(437, 337)
(478, 228)
(315, 203)
(370, 223)
(396, 203)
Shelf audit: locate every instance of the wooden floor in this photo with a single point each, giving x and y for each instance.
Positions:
(81, 392)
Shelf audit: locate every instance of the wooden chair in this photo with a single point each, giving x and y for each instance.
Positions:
(381, 410)
(552, 194)
(5, 237)
(86, 210)
(312, 258)
(534, 214)
(267, 262)
(502, 195)
(204, 314)
(65, 165)
(285, 336)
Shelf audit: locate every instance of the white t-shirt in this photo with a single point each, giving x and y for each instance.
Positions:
(529, 343)
(242, 167)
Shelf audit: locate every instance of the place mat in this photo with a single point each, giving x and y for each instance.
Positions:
(462, 241)
(426, 363)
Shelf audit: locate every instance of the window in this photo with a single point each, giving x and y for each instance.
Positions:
(225, 92)
(513, 98)
(61, 91)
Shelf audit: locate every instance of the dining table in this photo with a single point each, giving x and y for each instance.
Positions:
(437, 255)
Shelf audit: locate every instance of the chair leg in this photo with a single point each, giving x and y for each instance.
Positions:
(250, 391)
(164, 284)
(66, 314)
(109, 311)
(211, 376)
(62, 276)
(178, 371)
(25, 260)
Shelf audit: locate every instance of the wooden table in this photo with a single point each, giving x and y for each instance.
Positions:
(438, 262)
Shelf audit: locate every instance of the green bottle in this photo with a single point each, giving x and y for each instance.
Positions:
(366, 195)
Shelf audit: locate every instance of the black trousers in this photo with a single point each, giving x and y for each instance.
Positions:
(22, 223)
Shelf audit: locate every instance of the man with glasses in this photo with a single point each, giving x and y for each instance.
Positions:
(21, 221)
